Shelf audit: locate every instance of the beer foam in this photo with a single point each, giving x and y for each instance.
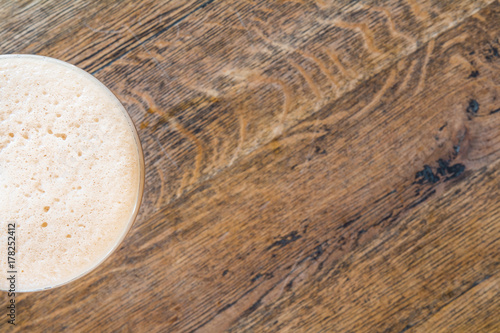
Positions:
(69, 170)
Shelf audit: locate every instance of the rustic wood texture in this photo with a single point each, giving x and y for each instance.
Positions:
(312, 166)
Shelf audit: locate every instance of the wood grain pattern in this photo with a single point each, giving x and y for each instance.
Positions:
(204, 80)
(313, 166)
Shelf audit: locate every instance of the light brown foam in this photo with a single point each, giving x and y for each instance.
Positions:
(69, 170)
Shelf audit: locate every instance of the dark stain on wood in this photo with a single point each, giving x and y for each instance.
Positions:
(285, 240)
(473, 107)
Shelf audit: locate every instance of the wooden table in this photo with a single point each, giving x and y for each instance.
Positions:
(312, 166)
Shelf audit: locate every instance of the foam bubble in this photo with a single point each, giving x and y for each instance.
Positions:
(69, 170)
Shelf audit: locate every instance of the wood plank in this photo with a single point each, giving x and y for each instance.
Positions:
(201, 100)
(238, 74)
(87, 34)
(463, 315)
(326, 227)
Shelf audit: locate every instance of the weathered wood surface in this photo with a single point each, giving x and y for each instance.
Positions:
(282, 141)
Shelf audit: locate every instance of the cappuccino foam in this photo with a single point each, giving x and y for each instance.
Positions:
(69, 170)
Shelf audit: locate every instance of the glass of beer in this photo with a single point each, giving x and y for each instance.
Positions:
(71, 172)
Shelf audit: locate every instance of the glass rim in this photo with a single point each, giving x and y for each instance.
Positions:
(140, 160)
